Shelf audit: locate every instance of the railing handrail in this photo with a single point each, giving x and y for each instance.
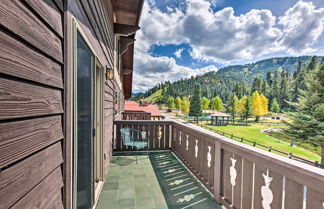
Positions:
(145, 122)
(211, 158)
(298, 171)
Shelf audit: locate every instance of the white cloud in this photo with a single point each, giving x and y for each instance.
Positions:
(178, 52)
(302, 24)
(152, 70)
(222, 36)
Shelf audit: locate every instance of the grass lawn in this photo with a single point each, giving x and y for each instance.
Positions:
(253, 133)
(152, 99)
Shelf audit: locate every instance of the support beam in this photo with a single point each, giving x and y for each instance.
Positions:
(127, 71)
(124, 43)
(125, 30)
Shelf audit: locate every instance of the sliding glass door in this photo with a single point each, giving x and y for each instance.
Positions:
(85, 69)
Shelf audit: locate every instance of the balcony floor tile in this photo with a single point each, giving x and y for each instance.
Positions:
(144, 185)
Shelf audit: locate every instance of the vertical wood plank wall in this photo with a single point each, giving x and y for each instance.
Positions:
(31, 103)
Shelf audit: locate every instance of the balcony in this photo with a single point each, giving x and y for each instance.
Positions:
(234, 174)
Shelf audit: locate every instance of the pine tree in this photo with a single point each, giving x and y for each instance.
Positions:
(185, 106)
(178, 103)
(269, 78)
(205, 103)
(284, 91)
(245, 108)
(297, 79)
(170, 103)
(312, 65)
(233, 106)
(274, 92)
(308, 123)
(275, 107)
(195, 104)
(265, 89)
(257, 84)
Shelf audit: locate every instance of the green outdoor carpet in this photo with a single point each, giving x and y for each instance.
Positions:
(179, 187)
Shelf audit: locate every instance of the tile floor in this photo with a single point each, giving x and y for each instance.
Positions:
(130, 185)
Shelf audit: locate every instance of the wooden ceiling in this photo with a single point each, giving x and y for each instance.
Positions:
(127, 11)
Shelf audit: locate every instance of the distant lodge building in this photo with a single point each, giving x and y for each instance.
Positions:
(220, 119)
(141, 111)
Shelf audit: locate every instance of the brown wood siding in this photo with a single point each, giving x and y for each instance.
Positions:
(31, 103)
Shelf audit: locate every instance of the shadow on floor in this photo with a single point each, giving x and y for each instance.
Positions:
(122, 161)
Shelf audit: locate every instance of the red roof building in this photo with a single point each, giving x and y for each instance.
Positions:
(153, 110)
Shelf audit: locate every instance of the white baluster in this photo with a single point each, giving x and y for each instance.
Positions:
(266, 192)
(208, 156)
(180, 138)
(233, 172)
(196, 148)
(187, 142)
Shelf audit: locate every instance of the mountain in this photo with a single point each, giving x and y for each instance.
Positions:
(249, 71)
(221, 83)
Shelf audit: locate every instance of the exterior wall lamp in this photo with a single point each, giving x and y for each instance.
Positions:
(109, 73)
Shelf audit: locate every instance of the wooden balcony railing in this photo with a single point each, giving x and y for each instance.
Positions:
(136, 116)
(155, 133)
(239, 176)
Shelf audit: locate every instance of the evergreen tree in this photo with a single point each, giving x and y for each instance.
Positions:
(205, 103)
(170, 103)
(312, 65)
(269, 78)
(178, 103)
(297, 80)
(265, 89)
(284, 91)
(245, 108)
(233, 106)
(195, 104)
(274, 92)
(308, 123)
(185, 106)
(257, 84)
(275, 107)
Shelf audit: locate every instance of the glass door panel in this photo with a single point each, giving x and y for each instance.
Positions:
(84, 124)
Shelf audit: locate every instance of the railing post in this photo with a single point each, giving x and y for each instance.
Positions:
(218, 171)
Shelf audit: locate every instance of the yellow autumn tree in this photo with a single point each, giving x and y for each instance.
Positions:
(257, 109)
(178, 103)
(185, 106)
(264, 104)
(241, 104)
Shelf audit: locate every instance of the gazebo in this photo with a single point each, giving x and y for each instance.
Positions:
(219, 119)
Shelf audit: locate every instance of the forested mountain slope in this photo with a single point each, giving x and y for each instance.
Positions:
(222, 82)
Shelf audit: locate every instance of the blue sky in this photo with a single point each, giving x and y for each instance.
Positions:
(181, 38)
